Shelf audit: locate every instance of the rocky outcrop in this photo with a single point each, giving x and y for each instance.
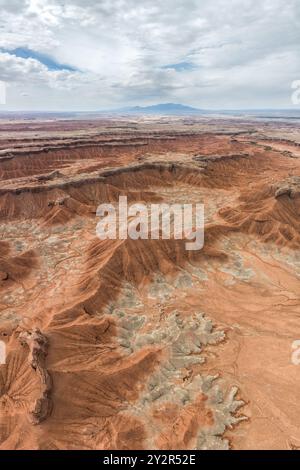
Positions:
(49, 176)
(38, 349)
(291, 188)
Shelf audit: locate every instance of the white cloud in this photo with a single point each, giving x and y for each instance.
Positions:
(244, 53)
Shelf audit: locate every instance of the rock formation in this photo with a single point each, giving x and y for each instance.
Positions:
(38, 350)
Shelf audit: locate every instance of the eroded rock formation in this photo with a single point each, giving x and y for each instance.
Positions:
(152, 346)
(38, 350)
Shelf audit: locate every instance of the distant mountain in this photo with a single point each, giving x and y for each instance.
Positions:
(163, 109)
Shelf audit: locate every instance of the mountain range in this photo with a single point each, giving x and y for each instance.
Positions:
(163, 109)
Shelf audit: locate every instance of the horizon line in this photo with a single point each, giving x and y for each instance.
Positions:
(127, 108)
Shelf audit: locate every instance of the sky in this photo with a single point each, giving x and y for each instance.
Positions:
(93, 55)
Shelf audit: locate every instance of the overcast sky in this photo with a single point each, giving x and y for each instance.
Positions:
(89, 55)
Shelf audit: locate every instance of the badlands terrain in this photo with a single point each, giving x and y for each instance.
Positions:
(123, 344)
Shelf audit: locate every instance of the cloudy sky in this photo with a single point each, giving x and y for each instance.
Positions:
(90, 55)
